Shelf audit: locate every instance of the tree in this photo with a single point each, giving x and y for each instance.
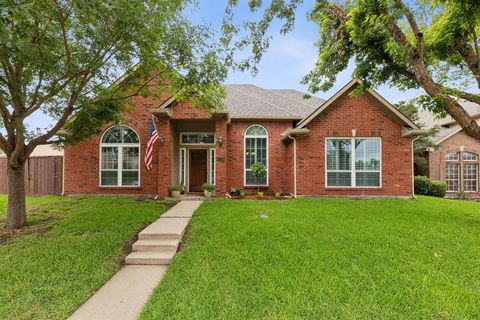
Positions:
(61, 57)
(259, 170)
(429, 44)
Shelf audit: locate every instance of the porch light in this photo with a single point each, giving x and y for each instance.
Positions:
(220, 140)
(161, 140)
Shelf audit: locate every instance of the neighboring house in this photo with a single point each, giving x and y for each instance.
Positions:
(345, 146)
(42, 151)
(456, 158)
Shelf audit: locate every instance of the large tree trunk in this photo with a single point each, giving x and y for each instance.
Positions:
(16, 212)
(453, 108)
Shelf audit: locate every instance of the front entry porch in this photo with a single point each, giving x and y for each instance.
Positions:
(192, 149)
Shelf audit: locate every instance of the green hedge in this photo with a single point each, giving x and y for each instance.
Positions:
(425, 186)
(438, 189)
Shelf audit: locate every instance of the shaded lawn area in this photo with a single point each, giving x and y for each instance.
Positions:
(72, 246)
(326, 259)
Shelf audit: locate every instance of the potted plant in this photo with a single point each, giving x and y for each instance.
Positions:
(175, 191)
(259, 170)
(208, 189)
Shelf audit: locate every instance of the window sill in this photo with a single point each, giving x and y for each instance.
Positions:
(120, 187)
(256, 186)
(353, 188)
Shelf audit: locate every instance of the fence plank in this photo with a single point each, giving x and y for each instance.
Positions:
(43, 175)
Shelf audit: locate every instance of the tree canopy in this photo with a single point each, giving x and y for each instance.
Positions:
(62, 58)
(65, 58)
(428, 44)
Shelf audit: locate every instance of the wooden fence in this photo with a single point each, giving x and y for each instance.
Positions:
(43, 175)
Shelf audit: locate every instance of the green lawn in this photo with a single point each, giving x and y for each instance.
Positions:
(326, 259)
(72, 246)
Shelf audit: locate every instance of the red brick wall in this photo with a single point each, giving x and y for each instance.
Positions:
(82, 160)
(221, 162)
(452, 144)
(278, 167)
(185, 110)
(365, 115)
(345, 114)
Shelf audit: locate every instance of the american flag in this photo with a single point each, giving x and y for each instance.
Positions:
(152, 138)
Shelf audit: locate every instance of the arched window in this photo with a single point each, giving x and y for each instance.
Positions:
(256, 150)
(120, 157)
(461, 171)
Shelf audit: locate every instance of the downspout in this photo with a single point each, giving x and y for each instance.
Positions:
(294, 165)
(413, 168)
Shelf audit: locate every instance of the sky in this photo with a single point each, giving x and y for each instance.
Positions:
(289, 58)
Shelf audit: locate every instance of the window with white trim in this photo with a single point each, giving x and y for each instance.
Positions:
(461, 171)
(353, 162)
(120, 157)
(197, 138)
(256, 150)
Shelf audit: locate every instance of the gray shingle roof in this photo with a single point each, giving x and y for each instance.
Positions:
(445, 125)
(247, 100)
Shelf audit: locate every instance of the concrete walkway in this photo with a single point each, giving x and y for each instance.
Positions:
(124, 295)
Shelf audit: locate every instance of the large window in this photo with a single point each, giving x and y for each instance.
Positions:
(256, 150)
(120, 157)
(353, 162)
(461, 171)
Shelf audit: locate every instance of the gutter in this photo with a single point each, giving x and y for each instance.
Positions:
(412, 133)
(294, 166)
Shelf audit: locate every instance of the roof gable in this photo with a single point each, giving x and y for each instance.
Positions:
(400, 117)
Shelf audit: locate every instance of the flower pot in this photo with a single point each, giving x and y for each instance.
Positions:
(176, 193)
(208, 194)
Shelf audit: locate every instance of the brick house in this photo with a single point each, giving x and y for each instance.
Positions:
(455, 160)
(345, 146)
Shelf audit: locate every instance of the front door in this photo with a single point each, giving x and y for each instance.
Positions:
(198, 169)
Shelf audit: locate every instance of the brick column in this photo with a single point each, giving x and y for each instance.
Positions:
(221, 157)
(164, 156)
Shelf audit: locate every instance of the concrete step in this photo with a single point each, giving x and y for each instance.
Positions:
(150, 257)
(156, 245)
(164, 229)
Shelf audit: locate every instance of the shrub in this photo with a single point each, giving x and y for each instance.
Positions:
(175, 188)
(208, 187)
(422, 185)
(438, 189)
(259, 170)
(242, 193)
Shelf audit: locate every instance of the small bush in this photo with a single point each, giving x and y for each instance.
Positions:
(175, 188)
(208, 187)
(438, 189)
(422, 185)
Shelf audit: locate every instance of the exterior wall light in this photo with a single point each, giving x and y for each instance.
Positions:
(161, 140)
(220, 140)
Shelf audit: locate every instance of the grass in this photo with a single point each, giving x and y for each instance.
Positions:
(72, 246)
(326, 259)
